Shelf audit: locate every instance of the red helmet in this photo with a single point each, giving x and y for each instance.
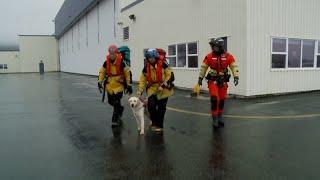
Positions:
(113, 49)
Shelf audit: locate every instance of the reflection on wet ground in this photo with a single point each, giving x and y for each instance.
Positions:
(55, 127)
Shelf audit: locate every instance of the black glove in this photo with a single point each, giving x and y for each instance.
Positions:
(236, 81)
(129, 90)
(100, 86)
(200, 81)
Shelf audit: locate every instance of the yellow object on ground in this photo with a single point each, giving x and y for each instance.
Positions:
(196, 90)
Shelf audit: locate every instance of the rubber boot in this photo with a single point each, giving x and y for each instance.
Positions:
(215, 123)
(115, 119)
(220, 121)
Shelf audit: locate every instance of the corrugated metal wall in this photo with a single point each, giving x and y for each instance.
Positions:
(166, 22)
(285, 18)
(249, 25)
(69, 12)
(83, 47)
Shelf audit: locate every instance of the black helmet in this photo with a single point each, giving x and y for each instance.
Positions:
(217, 42)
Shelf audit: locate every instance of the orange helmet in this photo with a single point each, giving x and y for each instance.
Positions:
(113, 49)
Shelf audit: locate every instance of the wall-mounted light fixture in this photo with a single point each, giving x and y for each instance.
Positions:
(132, 17)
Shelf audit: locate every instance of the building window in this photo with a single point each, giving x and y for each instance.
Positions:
(288, 53)
(5, 66)
(126, 33)
(192, 55)
(308, 50)
(1, 66)
(183, 55)
(279, 53)
(294, 53)
(172, 55)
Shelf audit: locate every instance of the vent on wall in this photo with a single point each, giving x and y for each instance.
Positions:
(126, 33)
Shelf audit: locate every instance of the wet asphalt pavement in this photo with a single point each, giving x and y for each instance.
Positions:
(55, 127)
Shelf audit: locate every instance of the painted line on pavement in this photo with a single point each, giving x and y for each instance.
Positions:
(247, 116)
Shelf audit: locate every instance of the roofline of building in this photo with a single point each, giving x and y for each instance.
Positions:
(35, 35)
(131, 5)
(9, 50)
(78, 17)
(6, 48)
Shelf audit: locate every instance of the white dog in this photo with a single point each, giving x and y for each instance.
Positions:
(138, 109)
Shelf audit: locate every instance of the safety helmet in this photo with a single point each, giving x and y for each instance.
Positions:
(113, 49)
(216, 42)
(151, 53)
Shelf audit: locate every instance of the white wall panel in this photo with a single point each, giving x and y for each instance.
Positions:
(89, 58)
(285, 18)
(159, 25)
(11, 58)
(33, 49)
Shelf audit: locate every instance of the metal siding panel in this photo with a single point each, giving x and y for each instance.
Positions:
(88, 60)
(92, 28)
(106, 23)
(287, 18)
(70, 11)
(195, 22)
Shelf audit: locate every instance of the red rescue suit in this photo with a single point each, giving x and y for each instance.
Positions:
(218, 78)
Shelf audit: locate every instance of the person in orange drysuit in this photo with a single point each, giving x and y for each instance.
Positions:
(218, 77)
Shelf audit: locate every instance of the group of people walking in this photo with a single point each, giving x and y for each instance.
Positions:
(157, 79)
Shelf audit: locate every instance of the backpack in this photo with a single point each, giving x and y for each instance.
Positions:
(125, 52)
(172, 78)
(162, 53)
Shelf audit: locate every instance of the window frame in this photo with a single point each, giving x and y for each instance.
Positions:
(280, 53)
(316, 54)
(171, 56)
(287, 68)
(187, 55)
(301, 50)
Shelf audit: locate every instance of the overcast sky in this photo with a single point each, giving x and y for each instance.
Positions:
(26, 17)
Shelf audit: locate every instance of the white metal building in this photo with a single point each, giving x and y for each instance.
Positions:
(274, 42)
(85, 35)
(32, 50)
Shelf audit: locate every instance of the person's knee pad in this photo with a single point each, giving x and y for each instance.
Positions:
(214, 101)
